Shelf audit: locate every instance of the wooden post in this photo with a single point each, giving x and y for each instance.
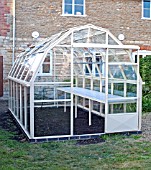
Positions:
(25, 107)
(17, 101)
(32, 121)
(71, 111)
(106, 88)
(21, 113)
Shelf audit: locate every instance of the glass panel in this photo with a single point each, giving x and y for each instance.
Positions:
(111, 41)
(129, 72)
(78, 1)
(118, 89)
(88, 84)
(47, 59)
(68, 9)
(116, 108)
(131, 107)
(80, 36)
(78, 10)
(131, 90)
(146, 3)
(96, 85)
(68, 1)
(46, 68)
(146, 13)
(115, 72)
(97, 36)
(118, 55)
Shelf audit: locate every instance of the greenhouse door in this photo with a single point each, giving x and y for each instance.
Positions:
(123, 122)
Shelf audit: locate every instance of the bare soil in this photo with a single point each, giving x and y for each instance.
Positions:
(47, 126)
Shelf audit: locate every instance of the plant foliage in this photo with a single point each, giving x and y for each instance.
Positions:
(145, 72)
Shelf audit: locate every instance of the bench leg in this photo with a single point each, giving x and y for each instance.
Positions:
(76, 102)
(65, 96)
(90, 110)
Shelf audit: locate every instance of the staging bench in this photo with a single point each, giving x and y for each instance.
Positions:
(92, 95)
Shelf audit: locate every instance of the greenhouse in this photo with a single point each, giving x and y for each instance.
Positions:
(79, 83)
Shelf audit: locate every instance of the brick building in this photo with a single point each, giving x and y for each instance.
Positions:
(18, 19)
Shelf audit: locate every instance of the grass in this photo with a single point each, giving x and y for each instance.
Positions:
(118, 152)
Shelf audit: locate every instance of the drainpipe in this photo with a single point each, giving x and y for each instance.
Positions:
(14, 28)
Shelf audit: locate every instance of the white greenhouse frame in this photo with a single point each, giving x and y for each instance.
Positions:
(90, 66)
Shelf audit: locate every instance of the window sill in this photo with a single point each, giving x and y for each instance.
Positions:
(146, 18)
(71, 15)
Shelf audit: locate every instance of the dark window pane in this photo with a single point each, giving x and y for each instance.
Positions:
(78, 1)
(68, 9)
(68, 1)
(78, 10)
(146, 13)
(46, 68)
(146, 3)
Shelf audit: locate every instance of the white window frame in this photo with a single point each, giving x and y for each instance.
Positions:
(143, 11)
(142, 53)
(73, 6)
(40, 73)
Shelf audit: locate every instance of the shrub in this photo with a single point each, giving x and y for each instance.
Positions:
(145, 72)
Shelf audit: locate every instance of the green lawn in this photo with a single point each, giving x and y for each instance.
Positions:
(118, 152)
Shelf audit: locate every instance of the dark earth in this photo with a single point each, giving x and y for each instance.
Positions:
(54, 121)
(7, 123)
(59, 125)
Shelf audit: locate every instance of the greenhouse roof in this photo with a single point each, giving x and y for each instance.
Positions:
(27, 63)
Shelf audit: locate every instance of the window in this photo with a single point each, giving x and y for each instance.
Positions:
(92, 61)
(46, 68)
(74, 7)
(146, 8)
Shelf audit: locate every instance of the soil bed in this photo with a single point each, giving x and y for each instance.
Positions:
(54, 121)
(81, 124)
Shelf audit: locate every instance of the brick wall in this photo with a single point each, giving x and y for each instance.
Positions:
(119, 16)
(5, 17)
(45, 16)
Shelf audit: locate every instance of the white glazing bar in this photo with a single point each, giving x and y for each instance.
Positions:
(95, 45)
(52, 101)
(106, 88)
(21, 113)
(25, 107)
(16, 65)
(139, 100)
(17, 101)
(125, 90)
(19, 67)
(51, 83)
(84, 88)
(101, 105)
(32, 122)
(140, 105)
(122, 63)
(8, 93)
(71, 111)
(11, 97)
(93, 111)
(112, 88)
(14, 97)
(19, 81)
